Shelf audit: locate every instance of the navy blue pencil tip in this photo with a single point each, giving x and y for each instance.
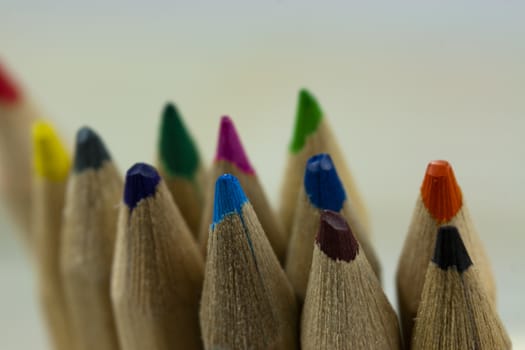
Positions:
(90, 151)
(229, 197)
(141, 182)
(322, 184)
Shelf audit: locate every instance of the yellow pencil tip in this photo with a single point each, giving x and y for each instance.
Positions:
(51, 160)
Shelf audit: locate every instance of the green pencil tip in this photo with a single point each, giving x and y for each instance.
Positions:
(177, 151)
(307, 119)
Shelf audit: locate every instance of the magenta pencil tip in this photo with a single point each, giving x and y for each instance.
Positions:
(230, 149)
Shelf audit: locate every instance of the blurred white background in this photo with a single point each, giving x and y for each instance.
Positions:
(402, 83)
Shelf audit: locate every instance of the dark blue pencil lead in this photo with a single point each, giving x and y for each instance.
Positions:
(141, 182)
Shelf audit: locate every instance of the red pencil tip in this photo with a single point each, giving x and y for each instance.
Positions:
(229, 147)
(9, 92)
(440, 191)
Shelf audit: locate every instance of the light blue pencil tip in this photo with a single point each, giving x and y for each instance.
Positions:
(229, 197)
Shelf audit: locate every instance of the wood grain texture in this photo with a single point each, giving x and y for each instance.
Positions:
(455, 311)
(345, 307)
(89, 229)
(48, 203)
(247, 302)
(417, 252)
(157, 277)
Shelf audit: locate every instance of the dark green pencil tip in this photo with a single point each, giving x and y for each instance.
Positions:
(307, 119)
(177, 151)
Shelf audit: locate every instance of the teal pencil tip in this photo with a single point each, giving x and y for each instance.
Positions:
(307, 119)
(177, 150)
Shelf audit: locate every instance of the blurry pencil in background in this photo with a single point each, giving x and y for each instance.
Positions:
(247, 302)
(51, 164)
(180, 166)
(455, 311)
(345, 307)
(231, 158)
(16, 117)
(440, 202)
(157, 269)
(88, 239)
(321, 189)
(312, 135)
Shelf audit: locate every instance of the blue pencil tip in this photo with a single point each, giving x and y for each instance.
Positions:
(229, 197)
(322, 184)
(141, 182)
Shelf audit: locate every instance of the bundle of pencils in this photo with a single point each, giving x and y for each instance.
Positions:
(196, 258)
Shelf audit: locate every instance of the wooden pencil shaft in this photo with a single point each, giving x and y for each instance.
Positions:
(157, 277)
(48, 201)
(417, 252)
(15, 174)
(345, 307)
(246, 296)
(456, 313)
(280, 289)
(188, 196)
(90, 220)
(236, 311)
(179, 164)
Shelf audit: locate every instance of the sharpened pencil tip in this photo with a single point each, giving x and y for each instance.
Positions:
(177, 150)
(335, 238)
(229, 147)
(450, 250)
(229, 197)
(141, 182)
(90, 151)
(50, 158)
(9, 92)
(440, 191)
(307, 119)
(322, 184)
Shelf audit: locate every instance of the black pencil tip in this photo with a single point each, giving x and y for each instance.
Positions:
(450, 250)
(335, 238)
(90, 151)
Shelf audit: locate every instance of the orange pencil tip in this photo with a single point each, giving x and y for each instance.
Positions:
(440, 191)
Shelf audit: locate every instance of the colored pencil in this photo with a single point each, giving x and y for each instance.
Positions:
(440, 202)
(455, 311)
(157, 269)
(231, 158)
(88, 239)
(51, 165)
(179, 164)
(345, 307)
(322, 189)
(312, 135)
(16, 117)
(247, 302)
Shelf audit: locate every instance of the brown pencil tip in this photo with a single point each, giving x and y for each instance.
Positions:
(335, 238)
(440, 191)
